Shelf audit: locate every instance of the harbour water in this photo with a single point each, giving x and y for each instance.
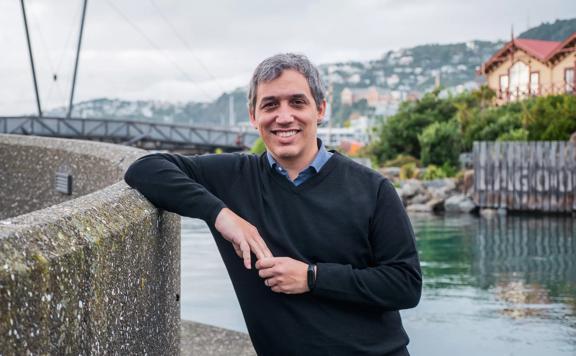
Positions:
(499, 286)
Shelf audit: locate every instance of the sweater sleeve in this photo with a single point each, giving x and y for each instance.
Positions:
(394, 281)
(176, 183)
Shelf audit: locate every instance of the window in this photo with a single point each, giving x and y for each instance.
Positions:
(503, 86)
(519, 80)
(569, 80)
(534, 83)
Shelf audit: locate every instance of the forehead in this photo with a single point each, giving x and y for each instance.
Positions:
(289, 83)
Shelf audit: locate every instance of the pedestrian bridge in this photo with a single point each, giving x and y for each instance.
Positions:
(142, 134)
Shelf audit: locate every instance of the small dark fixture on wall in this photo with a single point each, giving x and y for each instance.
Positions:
(64, 183)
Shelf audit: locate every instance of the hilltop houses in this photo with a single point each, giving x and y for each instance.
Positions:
(526, 67)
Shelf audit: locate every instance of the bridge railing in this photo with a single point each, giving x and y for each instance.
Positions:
(156, 135)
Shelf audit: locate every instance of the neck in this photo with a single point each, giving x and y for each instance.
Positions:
(294, 166)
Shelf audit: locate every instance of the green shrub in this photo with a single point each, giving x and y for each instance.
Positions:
(449, 170)
(514, 135)
(425, 128)
(440, 143)
(408, 171)
(550, 118)
(401, 160)
(258, 147)
(433, 172)
(399, 133)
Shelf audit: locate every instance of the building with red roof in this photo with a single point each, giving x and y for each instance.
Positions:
(527, 67)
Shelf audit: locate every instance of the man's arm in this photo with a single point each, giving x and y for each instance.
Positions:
(177, 184)
(395, 282)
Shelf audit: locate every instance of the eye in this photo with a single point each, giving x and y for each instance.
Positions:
(298, 101)
(268, 105)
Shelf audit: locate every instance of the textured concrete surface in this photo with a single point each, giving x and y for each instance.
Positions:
(200, 339)
(99, 274)
(29, 165)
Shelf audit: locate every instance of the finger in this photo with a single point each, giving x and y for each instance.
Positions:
(263, 247)
(258, 245)
(246, 254)
(265, 262)
(266, 272)
(271, 282)
(255, 247)
(237, 250)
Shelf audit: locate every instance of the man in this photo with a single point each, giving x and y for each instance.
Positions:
(334, 249)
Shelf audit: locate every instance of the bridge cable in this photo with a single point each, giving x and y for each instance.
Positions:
(35, 25)
(68, 39)
(185, 43)
(160, 50)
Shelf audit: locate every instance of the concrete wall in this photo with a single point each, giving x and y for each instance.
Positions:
(98, 274)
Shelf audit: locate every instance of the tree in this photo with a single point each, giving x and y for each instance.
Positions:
(440, 143)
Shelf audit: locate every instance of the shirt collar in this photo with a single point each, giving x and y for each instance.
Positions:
(319, 161)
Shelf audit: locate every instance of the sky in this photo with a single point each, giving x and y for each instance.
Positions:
(181, 51)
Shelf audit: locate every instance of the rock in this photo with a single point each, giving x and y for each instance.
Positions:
(411, 187)
(419, 208)
(459, 204)
(419, 198)
(444, 183)
(399, 192)
(467, 206)
(436, 204)
(440, 188)
(573, 138)
(438, 194)
(468, 182)
(390, 172)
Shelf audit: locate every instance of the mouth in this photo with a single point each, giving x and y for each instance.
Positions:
(285, 132)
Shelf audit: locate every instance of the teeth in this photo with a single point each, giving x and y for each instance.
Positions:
(286, 133)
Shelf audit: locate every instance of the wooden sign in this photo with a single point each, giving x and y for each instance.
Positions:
(525, 176)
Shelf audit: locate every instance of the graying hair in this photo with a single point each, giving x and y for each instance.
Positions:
(271, 68)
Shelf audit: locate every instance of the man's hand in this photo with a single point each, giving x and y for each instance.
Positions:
(284, 274)
(243, 236)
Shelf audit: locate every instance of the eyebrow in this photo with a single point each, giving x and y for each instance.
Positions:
(292, 96)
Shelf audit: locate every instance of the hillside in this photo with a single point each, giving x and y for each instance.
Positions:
(400, 73)
(214, 113)
(396, 75)
(556, 31)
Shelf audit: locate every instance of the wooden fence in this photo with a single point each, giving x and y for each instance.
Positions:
(525, 176)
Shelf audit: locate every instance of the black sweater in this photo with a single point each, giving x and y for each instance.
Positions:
(347, 219)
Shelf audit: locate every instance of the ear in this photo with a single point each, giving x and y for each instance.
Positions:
(253, 119)
(322, 111)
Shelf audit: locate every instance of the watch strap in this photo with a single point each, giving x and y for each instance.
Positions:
(311, 277)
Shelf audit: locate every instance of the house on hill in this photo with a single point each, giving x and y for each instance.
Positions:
(525, 67)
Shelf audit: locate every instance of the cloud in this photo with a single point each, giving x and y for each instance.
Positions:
(176, 49)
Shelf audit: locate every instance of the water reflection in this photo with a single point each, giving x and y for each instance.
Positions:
(525, 266)
(500, 286)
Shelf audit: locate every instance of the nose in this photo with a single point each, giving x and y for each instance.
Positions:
(285, 115)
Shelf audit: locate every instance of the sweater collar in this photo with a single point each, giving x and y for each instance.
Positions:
(319, 161)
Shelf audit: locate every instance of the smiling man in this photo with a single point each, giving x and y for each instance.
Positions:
(333, 249)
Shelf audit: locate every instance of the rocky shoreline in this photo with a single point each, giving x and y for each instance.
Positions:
(450, 195)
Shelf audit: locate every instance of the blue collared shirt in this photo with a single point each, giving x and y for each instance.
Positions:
(319, 161)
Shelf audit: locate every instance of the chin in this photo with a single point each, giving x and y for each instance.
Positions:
(285, 153)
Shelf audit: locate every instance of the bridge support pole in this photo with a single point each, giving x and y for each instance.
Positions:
(70, 105)
(31, 59)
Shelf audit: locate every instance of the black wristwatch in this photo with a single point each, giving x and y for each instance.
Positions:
(311, 277)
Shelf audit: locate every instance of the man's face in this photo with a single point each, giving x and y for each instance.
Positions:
(286, 116)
